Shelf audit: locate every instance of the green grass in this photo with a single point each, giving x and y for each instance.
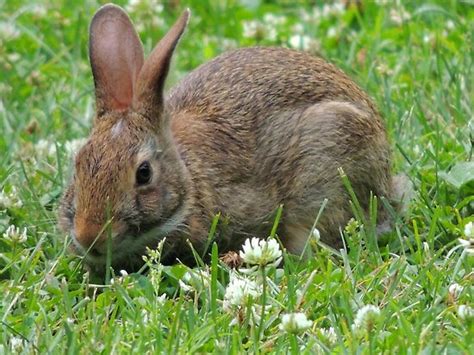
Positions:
(415, 59)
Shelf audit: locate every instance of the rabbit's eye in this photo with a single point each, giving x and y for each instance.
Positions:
(143, 175)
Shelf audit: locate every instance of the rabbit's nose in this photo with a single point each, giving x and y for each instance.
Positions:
(87, 233)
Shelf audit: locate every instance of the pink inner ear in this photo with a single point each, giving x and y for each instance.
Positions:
(116, 56)
(120, 70)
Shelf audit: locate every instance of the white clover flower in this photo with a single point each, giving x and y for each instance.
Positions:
(15, 235)
(8, 30)
(239, 291)
(141, 301)
(10, 199)
(159, 7)
(4, 200)
(298, 28)
(16, 344)
(468, 243)
(14, 57)
(274, 20)
(123, 273)
(295, 323)
(366, 318)
(326, 10)
(261, 252)
(251, 28)
(255, 29)
(45, 148)
(428, 38)
(162, 299)
(417, 150)
(186, 288)
(228, 43)
(311, 16)
(332, 32)
(339, 7)
(465, 312)
(455, 290)
(398, 16)
(329, 334)
(15, 197)
(299, 41)
(134, 5)
(72, 147)
(450, 24)
(384, 69)
(38, 10)
(469, 230)
(271, 33)
(157, 21)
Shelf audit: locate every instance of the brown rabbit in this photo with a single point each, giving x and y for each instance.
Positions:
(250, 130)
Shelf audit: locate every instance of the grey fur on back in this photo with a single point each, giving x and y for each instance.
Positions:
(274, 125)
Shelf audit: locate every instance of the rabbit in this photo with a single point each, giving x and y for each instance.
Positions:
(244, 133)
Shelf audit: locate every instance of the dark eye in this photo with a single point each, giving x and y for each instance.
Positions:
(143, 175)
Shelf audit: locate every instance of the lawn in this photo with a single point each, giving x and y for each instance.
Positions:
(411, 292)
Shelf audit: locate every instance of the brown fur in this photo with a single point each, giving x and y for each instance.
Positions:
(240, 135)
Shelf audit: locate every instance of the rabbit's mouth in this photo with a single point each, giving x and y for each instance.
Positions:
(128, 247)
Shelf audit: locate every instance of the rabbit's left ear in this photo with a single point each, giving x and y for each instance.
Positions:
(116, 57)
(148, 96)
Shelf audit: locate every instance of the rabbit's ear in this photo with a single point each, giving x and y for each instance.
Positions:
(148, 97)
(116, 57)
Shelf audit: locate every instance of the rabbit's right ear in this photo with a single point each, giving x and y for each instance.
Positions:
(116, 56)
(150, 84)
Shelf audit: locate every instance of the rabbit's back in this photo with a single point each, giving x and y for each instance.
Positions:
(261, 80)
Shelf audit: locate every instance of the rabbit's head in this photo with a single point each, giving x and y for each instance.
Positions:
(128, 183)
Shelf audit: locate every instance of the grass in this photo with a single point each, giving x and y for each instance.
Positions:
(415, 59)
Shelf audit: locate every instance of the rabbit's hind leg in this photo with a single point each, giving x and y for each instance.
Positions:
(326, 138)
